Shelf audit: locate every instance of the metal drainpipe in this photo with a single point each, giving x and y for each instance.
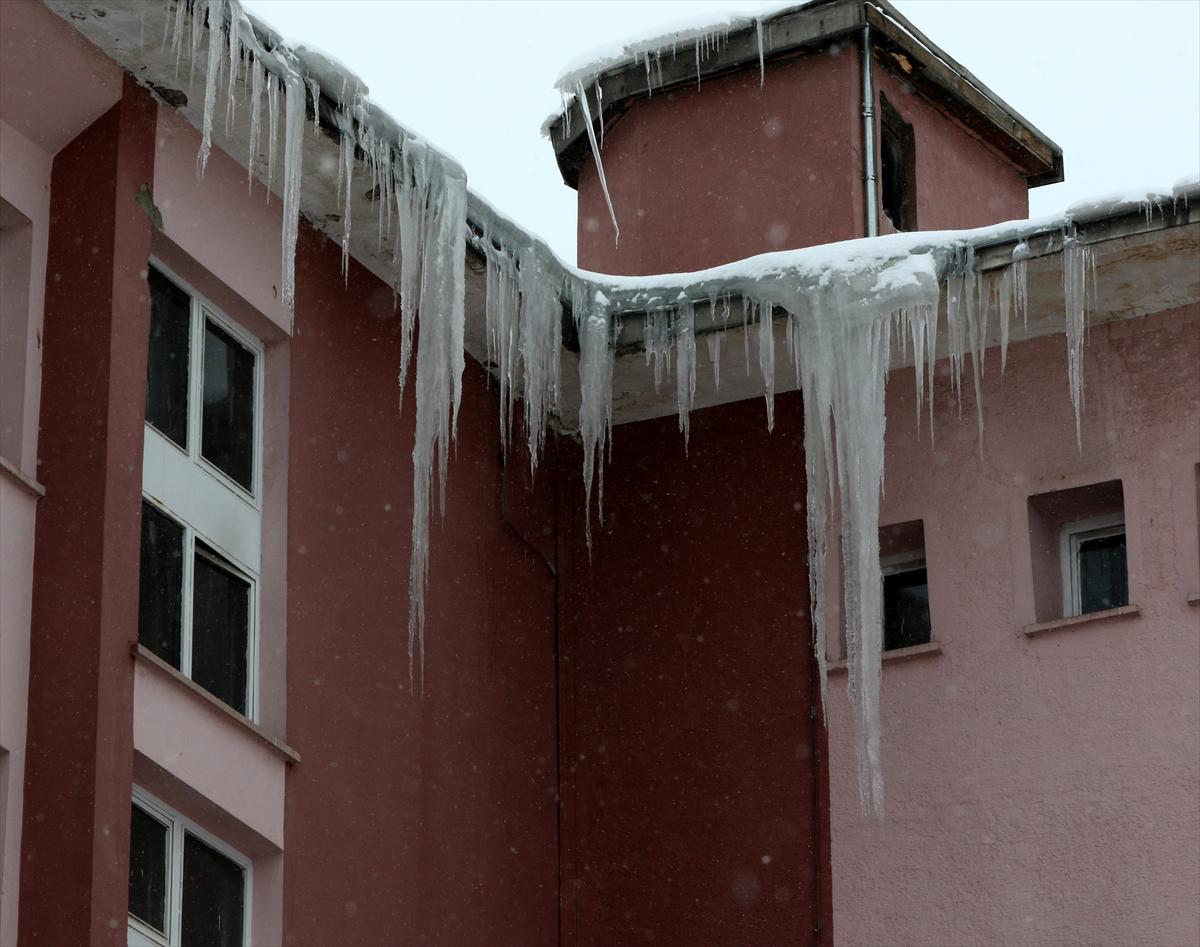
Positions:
(868, 113)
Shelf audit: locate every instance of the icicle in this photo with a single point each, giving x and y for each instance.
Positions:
(216, 12)
(766, 358)
(235, 59)
(293, 155)
(685, 366)
(346, 195)
(656, 341)
(581, 98)
(762, 59)
(1005, 301)
(595, 385)
(713, 341)
(540, 344)
(1020, 272)
(441, 220)
(315, 91)
(196, 33)
(272, 129)
(256, 89)
(1076, 263)
(502, 320)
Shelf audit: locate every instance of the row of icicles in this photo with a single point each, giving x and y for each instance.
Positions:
(841, 364)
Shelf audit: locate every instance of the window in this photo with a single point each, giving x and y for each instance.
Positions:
(16, 257)
(196, 608)
(897, 168)
(207, 405)
(906, 620)
(905, 604)
(1078, 550)
(186, 888)
(201, 513)
(1094, 564)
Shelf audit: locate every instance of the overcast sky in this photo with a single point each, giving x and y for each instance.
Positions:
(1116, 84)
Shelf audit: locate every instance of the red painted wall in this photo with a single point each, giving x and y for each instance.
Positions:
(706, 174)
(690, 757)
(79, 769)
(410, 820)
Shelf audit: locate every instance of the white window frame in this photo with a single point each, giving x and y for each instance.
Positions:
(190, 536)
(1070, 539)
(178, 824)
(207, 503)
(895, 565)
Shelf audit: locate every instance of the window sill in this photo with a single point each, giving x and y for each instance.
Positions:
(26, 483)
(896, 654)
(1194, 598)
(1060, 624)
(142, 653)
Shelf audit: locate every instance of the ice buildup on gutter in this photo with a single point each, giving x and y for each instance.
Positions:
(848, 310)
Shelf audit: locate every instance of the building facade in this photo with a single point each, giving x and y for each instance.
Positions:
(210, 725)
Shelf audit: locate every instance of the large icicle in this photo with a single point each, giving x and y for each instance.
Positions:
(1077, 264)
(581, 98)
(685, 366)
(293, 156)
(595, 385)
(439, 222)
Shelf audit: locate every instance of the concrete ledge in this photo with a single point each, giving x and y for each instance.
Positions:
(896, 654)
(1060, 624)
(28, 484)
(143, 653)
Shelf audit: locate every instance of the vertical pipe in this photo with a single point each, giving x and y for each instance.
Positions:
(868, 113)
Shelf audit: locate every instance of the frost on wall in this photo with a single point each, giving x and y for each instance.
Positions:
(848, 310)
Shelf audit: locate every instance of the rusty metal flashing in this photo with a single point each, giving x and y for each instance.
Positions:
(899, 46)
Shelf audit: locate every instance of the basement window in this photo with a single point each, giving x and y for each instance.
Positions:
(897, 168)
(906, 620)
(185, 886)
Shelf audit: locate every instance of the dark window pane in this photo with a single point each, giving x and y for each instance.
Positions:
(220, 629)
(148, 869)
(167, 370)
(1103, 582)
(228, 426)
(160, 591)
(905, 609)
(214, 893)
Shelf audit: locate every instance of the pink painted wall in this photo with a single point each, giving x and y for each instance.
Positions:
(1039, 790)
(25, 185)
(961, 182)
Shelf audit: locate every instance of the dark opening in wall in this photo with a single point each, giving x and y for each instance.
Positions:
(897, 168)
(906, 619)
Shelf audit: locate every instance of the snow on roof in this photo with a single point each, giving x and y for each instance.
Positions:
(703, 31)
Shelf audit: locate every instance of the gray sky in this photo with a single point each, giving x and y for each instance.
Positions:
(1115, 83)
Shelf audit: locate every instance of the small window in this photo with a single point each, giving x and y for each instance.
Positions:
(185, 887)
(897, 168)
(1078, 550)
(905, 605)
(906, 620)
(196, 608)
(1095, 554)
